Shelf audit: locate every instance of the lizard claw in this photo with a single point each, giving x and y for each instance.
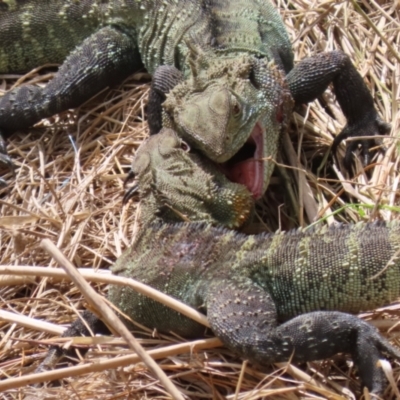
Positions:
(131, 190)
(131, 175)
(363, 131)
(129, 193)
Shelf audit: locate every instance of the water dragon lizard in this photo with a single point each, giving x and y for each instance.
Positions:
(268, 297)
(224, 74)
(223, 71)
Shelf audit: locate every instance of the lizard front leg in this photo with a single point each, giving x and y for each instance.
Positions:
(165, 78)
(309, 79)
(244, 317)
(103, 59)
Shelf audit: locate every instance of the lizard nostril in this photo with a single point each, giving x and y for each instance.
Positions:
(185, 147)
(236, 109)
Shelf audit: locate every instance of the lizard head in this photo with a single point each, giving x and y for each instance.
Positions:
(176, 184)
(232, 110)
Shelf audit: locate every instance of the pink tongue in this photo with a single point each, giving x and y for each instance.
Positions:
(243, 173)
(248, 173)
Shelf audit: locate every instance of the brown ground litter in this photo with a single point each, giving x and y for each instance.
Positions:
(69, 186)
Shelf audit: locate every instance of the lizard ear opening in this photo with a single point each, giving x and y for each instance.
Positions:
(253, 79)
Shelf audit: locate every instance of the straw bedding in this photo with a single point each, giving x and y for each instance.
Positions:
(69, 186)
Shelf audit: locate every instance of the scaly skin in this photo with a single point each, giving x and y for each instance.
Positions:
(176, 185)
(268, 297)
(263, 294)
(238, 82)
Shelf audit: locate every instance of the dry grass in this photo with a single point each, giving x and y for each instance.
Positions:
(69, 187)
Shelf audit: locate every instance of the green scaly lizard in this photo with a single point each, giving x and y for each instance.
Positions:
(268, 297)
(222, 69)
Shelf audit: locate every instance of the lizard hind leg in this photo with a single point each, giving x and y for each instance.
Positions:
(369, 348)
(104, 58)
(244, 317)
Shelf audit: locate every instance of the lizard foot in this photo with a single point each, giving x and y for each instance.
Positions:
(369, 348)
(363, 133)
(5, 160)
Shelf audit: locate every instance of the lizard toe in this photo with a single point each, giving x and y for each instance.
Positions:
(370, 347)
(365, 133)
(129, 193)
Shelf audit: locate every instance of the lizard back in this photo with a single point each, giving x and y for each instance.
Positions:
(350, 268)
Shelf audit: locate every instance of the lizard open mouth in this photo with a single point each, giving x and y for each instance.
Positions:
(247, 165)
